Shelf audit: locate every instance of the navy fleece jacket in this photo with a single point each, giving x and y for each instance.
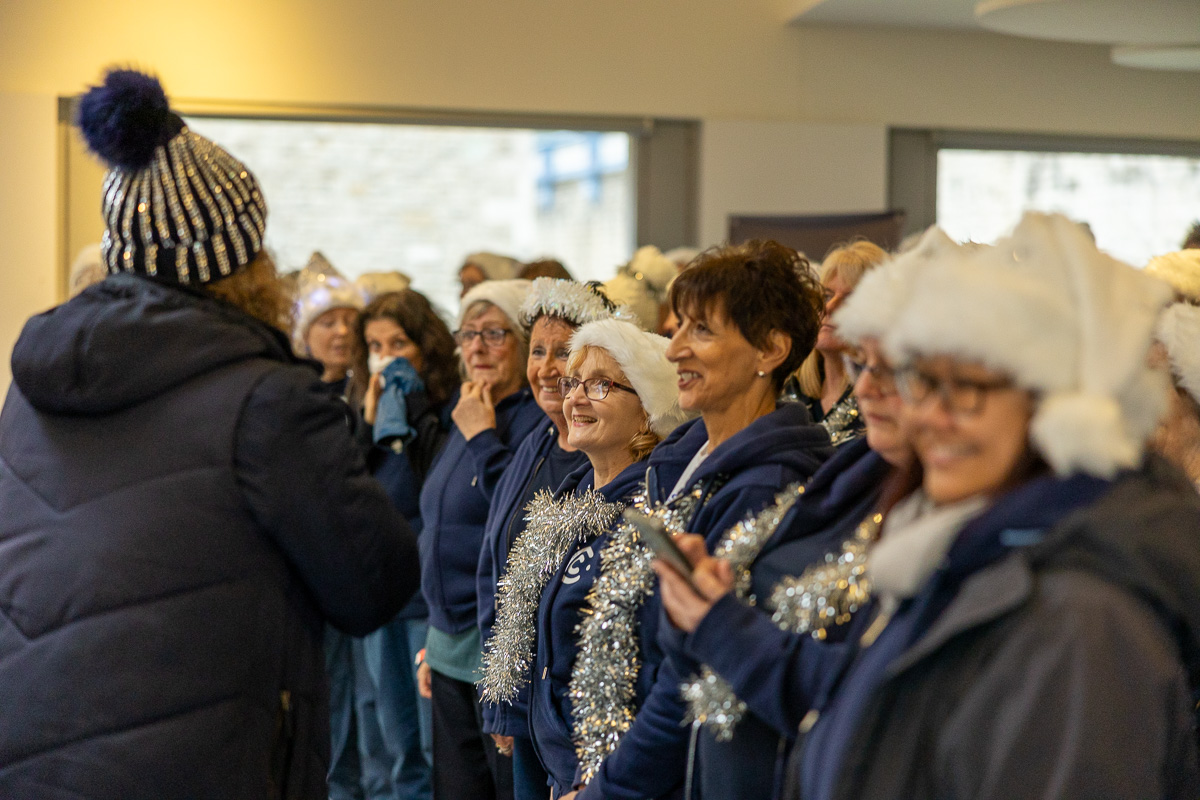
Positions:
(454, 507)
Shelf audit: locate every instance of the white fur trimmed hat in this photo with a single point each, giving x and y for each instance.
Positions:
(1064, 320)
(504, 295)
(642, 357)
(1181, 269)
(1179, 331)
(882, 293)
(574, 302)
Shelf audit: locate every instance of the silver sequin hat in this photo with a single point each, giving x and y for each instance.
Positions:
(176, 206)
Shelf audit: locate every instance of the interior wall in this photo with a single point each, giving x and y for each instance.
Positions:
(761, 168)
(28, 214)
(760, 87)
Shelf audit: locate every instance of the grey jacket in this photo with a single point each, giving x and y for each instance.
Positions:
(1062, 670)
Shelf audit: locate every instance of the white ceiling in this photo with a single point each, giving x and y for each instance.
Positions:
(1154, 34)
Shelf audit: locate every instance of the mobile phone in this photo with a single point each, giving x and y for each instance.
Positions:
(654, 533)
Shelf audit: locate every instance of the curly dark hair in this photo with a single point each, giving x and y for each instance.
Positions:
(413, 312)
(761, 286)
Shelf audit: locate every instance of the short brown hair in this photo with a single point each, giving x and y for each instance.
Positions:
(761, 286)
(413, 312)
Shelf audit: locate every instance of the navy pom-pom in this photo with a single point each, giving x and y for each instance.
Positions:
(126, 118)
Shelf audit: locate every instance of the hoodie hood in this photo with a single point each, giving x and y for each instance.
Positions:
(129, 339)
(1143, 535)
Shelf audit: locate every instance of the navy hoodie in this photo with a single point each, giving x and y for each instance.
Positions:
(842, 493)
(550, 721)
(526, 472)
(739, 478)
(454, 507)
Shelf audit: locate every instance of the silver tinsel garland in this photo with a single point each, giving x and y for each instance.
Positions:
(603, 682)
(711, 700)
(553, 528)
(843, 423)
(823, 596)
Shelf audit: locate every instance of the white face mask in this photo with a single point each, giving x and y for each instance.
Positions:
(377, 363)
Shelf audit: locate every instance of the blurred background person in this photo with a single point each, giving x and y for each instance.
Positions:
(545, 268)
(479, 267)
(408, 375)
(821, 382)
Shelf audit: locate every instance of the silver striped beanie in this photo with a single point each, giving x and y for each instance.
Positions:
(176, 206)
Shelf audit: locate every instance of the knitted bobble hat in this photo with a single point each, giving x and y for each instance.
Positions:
(571, 301)
(1181, 269)
(1065, 320)
(176, 207)
(642, 357)
(505, 295)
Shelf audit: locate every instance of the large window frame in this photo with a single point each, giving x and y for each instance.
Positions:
(664, 158)
(913, 159)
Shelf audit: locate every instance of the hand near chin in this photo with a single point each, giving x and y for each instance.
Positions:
(688, 603)
(475, 411)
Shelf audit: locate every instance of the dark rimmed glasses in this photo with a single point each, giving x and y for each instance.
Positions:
(492, 337)
(884, 377)
(593, 388)
(958, 395)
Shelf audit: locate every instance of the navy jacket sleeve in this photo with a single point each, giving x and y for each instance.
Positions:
(775, 673)
(651, 758)
(305, 481)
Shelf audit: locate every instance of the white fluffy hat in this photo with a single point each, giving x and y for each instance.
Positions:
(505, 295)
(642, 357)
(494, 267)
(572, 301)
(1181, 269)
(881, 294)
(320, 288)
(1179, 331)
(642, 285)
(1064, 320)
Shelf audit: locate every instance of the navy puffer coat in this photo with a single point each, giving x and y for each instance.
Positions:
(183, 509)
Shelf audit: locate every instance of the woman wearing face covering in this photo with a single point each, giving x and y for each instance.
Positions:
(1033, 627)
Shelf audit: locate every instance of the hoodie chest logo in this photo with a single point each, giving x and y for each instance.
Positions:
(580, 563)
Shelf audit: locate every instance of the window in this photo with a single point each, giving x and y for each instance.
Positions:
(418, 198)
(1137, 206)
(1138, 197)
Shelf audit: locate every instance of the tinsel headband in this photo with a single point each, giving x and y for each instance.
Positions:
(571, 301)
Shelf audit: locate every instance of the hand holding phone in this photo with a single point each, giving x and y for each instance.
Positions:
(654, 534)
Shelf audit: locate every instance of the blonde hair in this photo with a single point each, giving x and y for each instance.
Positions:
(256, 290)
(645, 439)
(849, 261)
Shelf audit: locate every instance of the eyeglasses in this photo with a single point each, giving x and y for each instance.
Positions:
(492, 337)
(883, 376)
(958, 395)
(593, 388)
